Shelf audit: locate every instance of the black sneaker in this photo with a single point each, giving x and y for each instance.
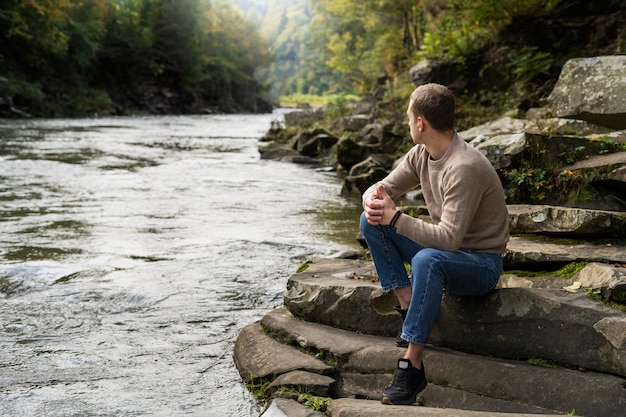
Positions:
(406, 384)
(400, 342)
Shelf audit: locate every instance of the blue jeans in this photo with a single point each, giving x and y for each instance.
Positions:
(464, 272)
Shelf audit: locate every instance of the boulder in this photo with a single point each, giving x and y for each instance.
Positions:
(436, 71)
(522, 323)
(355, 185)
(303, 117)
(351, 123)
(592, 89)
(381, 160)
(549, 152)
(350, 152)
(281, 152)
(570, 127)
(610, 280)
(463, 384)
(313, 143)
(502, 126)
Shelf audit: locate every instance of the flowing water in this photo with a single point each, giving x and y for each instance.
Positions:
(132, 252)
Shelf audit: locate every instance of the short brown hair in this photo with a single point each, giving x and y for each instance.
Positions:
(435, 103)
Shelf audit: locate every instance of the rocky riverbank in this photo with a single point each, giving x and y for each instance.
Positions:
(551, 339)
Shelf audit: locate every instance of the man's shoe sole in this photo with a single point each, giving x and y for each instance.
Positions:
(386, 400)
(402, 343)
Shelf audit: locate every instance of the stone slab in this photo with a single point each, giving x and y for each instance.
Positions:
(281, 407)
(258, 356)
(566, 221)
(328, 286)
(521, 252)
(457, 380)
(362, 408)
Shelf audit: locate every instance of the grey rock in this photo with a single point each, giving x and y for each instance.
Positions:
(359, 408)
(303, 117)
(312, 383)
(592, 89)
(281, 407)
(535, 323)
(364, 365)
(549, 152)
(505, 125)
(610, 280)
(277, 151)
(436, 71)
(566, 221)
(527, 254)
(559, 126)
(258, 356)
(342, 294)
(314, 142)
(489, 325)
(351, 123)
(384, 161)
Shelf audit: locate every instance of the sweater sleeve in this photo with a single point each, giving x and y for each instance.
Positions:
(461, 197)
(402, 179)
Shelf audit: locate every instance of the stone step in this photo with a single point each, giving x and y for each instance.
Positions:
(515, 323)
(361, 408)
(523, 253)
(347, 407)
(566, 221)
(364, 364)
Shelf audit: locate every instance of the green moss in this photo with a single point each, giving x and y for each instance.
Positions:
(313, 402)
(541, 362)
(570, 269)
(304, 267)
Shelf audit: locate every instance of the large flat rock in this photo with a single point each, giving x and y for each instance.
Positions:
(524, 253)
(361, 408)
(566, 221)
(314, 295)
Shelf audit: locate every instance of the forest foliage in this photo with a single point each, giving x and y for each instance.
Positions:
(73, 57)
(509, 52)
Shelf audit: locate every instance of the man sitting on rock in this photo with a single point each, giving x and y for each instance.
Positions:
(461, 251)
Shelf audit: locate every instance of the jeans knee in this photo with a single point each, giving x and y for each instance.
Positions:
(363, 224)
(424, 259)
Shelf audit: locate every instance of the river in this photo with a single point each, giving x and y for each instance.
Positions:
(132, 252)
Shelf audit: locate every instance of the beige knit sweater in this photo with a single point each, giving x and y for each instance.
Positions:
(464, 198)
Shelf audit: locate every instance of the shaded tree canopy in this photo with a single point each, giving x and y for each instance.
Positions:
(62, 57)
(516, 47)
(183, 56)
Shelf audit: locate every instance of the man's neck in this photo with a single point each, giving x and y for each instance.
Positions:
(437, 145)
